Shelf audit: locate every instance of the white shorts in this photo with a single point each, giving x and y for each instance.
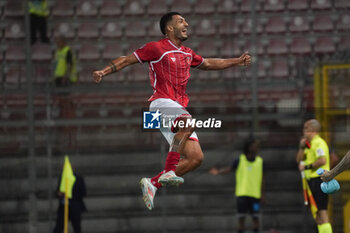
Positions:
(170, 110)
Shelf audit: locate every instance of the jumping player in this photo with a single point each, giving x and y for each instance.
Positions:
(169, 70)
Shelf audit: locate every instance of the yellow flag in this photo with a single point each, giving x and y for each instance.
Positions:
(67, 179)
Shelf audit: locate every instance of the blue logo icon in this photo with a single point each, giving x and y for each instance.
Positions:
(151, 120)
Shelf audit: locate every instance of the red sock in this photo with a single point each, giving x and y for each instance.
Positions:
(171, 161)
(154, 180)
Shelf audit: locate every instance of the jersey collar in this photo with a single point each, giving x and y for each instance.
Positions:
(173, 45)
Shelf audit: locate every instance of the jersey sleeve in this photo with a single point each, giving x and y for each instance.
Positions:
(197, 60)
(321, 150)
(146, 53)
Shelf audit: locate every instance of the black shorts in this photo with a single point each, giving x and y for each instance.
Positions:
(248, 205)
(320, 197)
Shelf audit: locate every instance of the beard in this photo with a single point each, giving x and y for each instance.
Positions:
(178, 35)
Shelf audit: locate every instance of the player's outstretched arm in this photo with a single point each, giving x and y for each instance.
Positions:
(341, 166)
(221, 63)
(116, 65)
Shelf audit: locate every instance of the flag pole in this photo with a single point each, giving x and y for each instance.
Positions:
(66, 208)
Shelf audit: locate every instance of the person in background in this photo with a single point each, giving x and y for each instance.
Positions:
(38, 13)
(65, 74)
(76, 205)
(65, 64)
(249, 183)
(314, 153)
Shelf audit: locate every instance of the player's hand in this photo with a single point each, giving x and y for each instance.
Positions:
(302, 143)
(301, 167)
(326, 176)
(244, 59)
(97, 75)
(214, 171)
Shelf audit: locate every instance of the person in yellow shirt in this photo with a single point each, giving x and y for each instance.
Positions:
(249, 183)
(313, 154)
(38, 12)
(65, 64)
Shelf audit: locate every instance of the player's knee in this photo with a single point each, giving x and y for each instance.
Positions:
(197, 160)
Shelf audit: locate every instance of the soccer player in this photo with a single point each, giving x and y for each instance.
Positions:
(314, 152)
(169, 70)
(341, 166)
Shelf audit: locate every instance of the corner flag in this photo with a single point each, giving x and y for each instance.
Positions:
(67, 179)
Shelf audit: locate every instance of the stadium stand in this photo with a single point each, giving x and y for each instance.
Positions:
(63, 8)
(111, 8)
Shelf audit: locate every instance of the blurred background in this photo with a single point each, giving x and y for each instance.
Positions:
(300, 70)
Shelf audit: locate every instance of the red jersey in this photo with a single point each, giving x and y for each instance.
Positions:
(169, 68)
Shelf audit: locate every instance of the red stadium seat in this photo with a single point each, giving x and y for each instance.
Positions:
(14, 75)
(157, 7)
(15, 53)
(230, 48)
(323, 23)
(85, 74)
(300, 46)
(63, 8)
(14, 30)
(204, 7)
(64, 29)
(111, 30)
(229, 27)
(89, 52)
(275, 25)
(246, 6)
(247, 26)
(259, 47)
(14, 8)
(110, 8)
(135, 29)
(344, 43)
(86, 8)
(138, 73)
(134, 8)
(262, 70)
(42, 74)
(344, 22)
(134, 45)
(232, 73)
(227, 6)
(321, 4)
(297, 5)
(279, 69)
(207, 49)
(112, 51)
(299, 24)
(273, 5)
(342, 4)
(277, 47)
(41, 52)
(205, 27)
(88, 30)
(324, 45)
(154, 29)
(182, 6)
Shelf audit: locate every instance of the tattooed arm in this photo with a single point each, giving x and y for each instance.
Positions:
(341, 166)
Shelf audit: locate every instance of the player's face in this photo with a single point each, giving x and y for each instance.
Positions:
(308, 131)
(180, 27)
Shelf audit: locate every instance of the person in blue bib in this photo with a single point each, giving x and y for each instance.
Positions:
(249, 183)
